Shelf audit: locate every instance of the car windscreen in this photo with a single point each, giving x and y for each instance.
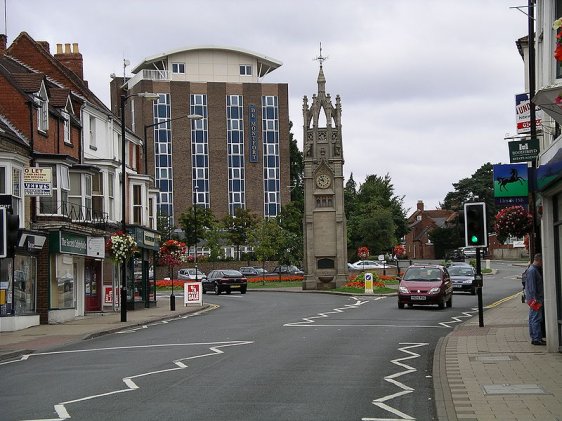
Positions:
(423, 274)
(461, 271)
(231, 273)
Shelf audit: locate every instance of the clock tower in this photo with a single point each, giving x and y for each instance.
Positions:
(325, 233)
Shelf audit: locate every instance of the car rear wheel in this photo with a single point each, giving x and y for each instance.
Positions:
(217, 289)
(450, 301)
(242, 290)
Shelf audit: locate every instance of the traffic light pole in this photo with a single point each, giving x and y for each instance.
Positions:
(479, 284)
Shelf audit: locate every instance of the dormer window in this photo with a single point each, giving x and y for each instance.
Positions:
(66, 130)
(245, 70)
(42, 101)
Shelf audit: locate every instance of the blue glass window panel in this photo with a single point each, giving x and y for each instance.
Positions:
(270, 185)
(199, 136)
(163, 160)
(237, 185)
(271, 137)
(270, 161)
(235, 136)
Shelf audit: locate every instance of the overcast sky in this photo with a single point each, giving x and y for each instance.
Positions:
(427, 87)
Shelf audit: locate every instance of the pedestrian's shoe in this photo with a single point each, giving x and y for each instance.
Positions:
(541, 342)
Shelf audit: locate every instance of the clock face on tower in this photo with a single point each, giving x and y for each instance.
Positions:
(323, 181)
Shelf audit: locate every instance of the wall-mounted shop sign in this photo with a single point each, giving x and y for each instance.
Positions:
(80, 244)
(523, 150)
(253, 133)
(146, 239)
(37, 181)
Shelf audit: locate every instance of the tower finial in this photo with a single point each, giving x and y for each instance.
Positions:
(321, 58)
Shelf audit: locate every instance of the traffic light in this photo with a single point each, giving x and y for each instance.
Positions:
(475, 230)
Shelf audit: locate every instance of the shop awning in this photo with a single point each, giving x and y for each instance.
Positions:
(549, 99)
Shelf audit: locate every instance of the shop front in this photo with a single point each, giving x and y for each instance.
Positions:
(144, 285)
(18, 284)
(75, 282)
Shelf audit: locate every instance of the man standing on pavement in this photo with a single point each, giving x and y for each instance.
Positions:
(535, 299)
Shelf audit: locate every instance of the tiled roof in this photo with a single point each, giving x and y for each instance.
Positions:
(58, 97)
(28, 82)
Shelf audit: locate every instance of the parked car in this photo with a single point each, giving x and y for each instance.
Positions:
(189, 274)
(249, 271)
(458, 264)
(367, 264)
(425, 285)
(287, 270)
(261, 271)
(462, 277)
(226, 280)
(455, 255)
(470, 252)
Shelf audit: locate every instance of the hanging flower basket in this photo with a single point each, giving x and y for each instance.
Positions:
(514, 221)
(558, 51)
(363, 252)
(120, 247)
(173, 253)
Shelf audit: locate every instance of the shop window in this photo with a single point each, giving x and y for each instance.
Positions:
(63, 284)
(25, 278)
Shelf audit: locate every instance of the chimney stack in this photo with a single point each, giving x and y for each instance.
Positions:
(71, 58)
(420, 205)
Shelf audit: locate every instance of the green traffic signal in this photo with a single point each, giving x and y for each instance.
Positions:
(474, 239)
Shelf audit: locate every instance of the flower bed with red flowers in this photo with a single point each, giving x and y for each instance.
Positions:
(275, 278)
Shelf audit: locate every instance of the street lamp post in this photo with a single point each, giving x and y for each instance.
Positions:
(148, 96)
(196, 188)
(145, 151)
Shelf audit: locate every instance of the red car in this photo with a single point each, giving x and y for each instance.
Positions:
(425, 285)
(225, 280)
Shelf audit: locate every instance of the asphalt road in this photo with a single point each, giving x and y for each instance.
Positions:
(259, 356)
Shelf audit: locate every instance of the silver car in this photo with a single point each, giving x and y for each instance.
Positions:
(462, 277)
(189, 274)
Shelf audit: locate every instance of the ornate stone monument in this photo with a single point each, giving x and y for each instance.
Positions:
(325, 233)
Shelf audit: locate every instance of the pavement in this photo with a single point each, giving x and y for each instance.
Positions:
(479, 373)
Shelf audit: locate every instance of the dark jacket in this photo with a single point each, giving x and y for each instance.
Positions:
(534, 285)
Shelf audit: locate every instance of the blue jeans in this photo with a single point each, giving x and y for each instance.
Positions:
(535, 320)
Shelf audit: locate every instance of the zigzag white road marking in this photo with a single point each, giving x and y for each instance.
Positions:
(380, 402)
(61, 408)
(312, 319)
(458, 319)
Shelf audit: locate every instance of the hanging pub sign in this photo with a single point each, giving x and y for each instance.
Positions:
(511, 184)
(37, 181)
(523, 150)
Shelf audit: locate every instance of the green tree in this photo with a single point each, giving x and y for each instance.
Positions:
(296, 168)
(477, 188)
(349, 195)
(238, 226)
(197, 225)
(377, 217)
(264, 239)
(445, 239)
(164, 227)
